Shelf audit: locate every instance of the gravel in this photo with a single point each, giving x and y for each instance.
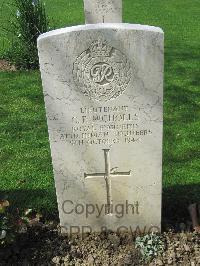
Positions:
(44, 245)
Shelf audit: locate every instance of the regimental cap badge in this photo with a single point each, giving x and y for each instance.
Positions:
(101, 72)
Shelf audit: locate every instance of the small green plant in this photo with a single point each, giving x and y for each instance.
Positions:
(27, 24)
(13, 223)
(150, 245)
(6, 230)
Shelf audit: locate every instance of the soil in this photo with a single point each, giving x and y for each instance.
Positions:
(44, 245)
(6, 66)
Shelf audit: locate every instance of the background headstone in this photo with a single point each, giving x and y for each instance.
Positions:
(103, 11)
(103, 89)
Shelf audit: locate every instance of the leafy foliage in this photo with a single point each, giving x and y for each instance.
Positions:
(28, 23)
(150, 245)
(12, 223)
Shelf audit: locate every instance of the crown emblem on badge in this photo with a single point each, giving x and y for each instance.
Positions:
(100, 48)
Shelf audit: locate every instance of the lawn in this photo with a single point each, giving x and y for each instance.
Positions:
(26, 175)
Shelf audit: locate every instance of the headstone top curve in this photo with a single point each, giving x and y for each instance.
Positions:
(119, 26)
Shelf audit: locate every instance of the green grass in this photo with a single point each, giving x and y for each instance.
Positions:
(26, 171)
(25, 157)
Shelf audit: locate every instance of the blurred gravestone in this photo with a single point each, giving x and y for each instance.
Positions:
(102, 11)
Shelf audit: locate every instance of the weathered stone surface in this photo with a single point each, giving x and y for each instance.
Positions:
(103, 11)
(103, 89)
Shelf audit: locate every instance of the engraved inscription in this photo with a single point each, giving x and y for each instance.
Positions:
(104, 125)
(102, 72)
(103, 11)
(106, 7)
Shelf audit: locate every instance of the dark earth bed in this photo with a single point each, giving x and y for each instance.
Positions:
(44, 245)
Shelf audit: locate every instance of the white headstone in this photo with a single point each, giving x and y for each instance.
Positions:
(103, 89)
(103, 11)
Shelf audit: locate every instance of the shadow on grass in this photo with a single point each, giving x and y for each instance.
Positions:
(43, 201)
(181, 113)
(176, 51)
(175, 201)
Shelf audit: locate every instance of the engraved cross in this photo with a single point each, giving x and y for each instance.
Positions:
(109, 173)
